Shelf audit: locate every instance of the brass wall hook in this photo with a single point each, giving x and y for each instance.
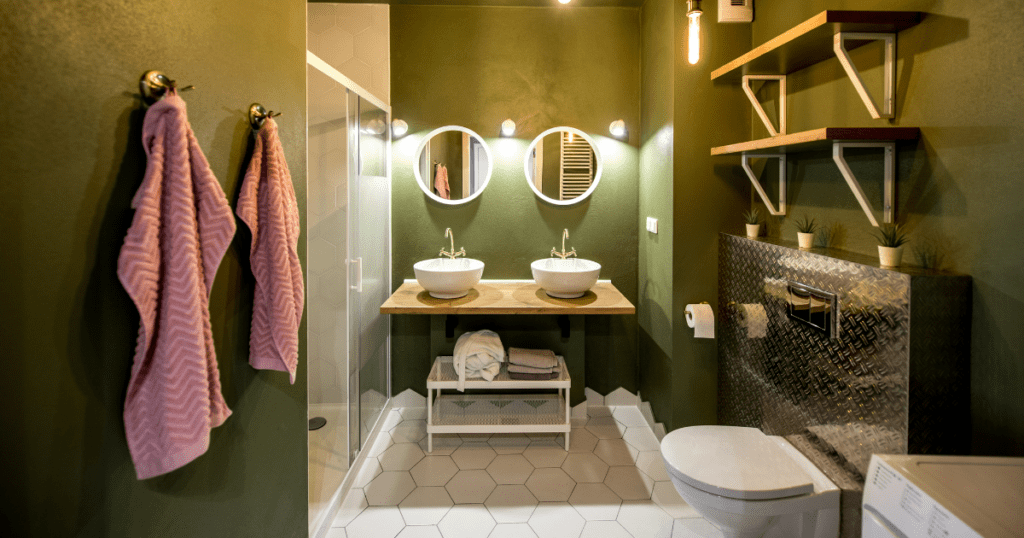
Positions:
(153, 85)
(258, 114)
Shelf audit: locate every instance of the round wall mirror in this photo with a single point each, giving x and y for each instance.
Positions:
(453, 165)
(563, 165)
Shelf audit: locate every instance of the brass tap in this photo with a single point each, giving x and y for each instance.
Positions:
(452, 255)
(563, 254)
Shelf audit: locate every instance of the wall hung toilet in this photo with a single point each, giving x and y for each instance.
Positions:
(750, 485)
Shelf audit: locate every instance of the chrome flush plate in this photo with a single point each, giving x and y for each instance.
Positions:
(813, 307)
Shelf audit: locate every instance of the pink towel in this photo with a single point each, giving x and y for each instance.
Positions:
(267, 205)
(441, 182)
(181, 229)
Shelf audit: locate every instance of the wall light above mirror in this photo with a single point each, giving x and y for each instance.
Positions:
(563, 165)
(453, 165)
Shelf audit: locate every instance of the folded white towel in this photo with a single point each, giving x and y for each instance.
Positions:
(478, 354)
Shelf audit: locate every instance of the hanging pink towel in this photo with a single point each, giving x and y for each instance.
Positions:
(267, 205)
(181, 229)
(441, 182)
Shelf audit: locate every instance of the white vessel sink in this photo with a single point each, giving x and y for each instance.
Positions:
(566, 279)
(445, 278)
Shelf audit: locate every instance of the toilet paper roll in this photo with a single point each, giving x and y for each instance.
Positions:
(701, 318)
(755, 319)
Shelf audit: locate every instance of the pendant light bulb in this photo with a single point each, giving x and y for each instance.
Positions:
(693, 13)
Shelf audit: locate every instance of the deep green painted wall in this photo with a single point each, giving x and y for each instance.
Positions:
(542, 67)
(73, 159)
(959, 188)
(657, 105)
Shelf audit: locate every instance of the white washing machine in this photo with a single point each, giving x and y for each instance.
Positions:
(943, 497)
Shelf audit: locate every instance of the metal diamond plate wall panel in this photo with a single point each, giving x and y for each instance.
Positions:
(876, 387)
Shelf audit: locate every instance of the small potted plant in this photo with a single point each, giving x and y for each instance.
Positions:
(753, 219)
(891, 239)
(805, 232)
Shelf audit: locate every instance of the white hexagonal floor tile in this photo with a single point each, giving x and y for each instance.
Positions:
(466, 521)
(425, 506)
(509, 443)
(513, 530)
(642, 439)
(595, 502)
(400, 457)
(598, 411)
(544, 436)
(426, 531)
(413, 413)
(556, 520)
(434, 471)
(389, 488)
(629, 416)
(470, 487)
(369, 471)
(667, 497)
(376, 522)
(550, 484)
(444, 444)
(511, 504)
(696, 527)
(545, 454)
(510, 469)
(629, 483)
(604, 529)
(409, 431)
(473, 456)
(336, 532)
(644, 518)
(616, 452)
(606, 428)
(351, 506)
(653, 465)
(585, 467)
(380, 444)
(581, 440)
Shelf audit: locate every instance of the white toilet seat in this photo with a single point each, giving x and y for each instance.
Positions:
(733, 462)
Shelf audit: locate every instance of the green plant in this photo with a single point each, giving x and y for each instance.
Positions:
(805, 225)
(891, 235)
(752, 217)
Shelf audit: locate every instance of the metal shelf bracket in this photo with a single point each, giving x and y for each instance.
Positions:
(889, 83)
(757, 105)
(757, 184)
(889, 186)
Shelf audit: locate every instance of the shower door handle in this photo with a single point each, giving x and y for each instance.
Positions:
(358, 286)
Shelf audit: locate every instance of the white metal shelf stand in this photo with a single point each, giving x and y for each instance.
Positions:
(496, 413)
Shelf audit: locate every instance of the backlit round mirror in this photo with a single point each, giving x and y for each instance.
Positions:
(453, 165)
(563, 165)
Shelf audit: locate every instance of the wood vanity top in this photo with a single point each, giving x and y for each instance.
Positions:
(507, 297)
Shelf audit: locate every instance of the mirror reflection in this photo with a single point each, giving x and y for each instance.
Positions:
(453, 165)
(563, 165)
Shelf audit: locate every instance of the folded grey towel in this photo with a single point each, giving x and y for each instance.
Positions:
(533, 377)
(519, 369)
(534, 358)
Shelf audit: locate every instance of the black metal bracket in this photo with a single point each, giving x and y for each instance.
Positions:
(563, 323)
(450, 321)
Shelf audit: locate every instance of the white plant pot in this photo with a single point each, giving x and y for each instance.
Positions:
(753, 230)
(890, 256)
(805, 240)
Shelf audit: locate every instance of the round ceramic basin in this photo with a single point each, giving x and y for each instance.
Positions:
(445, 278)
(566, 279)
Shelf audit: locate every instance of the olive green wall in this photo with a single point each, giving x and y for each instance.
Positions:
(654, 303)
(960, 80)
(73, 159)
(542, 67)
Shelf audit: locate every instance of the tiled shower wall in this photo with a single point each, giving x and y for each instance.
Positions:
(354, 39)
(877, 387)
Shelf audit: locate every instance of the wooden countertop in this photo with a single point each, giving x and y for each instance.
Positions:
(507, 297)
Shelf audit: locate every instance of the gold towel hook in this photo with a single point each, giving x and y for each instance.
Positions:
(153, 85)
(258, 114)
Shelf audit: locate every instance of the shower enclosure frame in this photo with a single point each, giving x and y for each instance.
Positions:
(319, 525)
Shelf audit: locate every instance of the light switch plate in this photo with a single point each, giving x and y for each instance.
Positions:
(652, 225)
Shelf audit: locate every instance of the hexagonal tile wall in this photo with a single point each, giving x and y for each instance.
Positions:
(353, 38)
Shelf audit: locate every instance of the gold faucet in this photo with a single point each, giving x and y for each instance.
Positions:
(452, 255)
(563, 254)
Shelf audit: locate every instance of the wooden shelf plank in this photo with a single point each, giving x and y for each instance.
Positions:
(507, 297)
(811, 42)
(820, 138)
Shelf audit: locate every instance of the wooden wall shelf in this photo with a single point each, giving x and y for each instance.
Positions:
(820, 139)
(507, 297)
(811, 41)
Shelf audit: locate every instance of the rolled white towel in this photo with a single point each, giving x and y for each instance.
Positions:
(477, 354)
